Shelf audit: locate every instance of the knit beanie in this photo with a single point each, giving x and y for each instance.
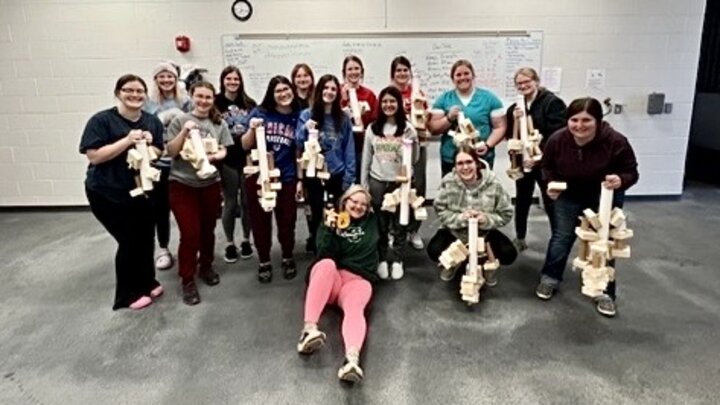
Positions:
(164, 67)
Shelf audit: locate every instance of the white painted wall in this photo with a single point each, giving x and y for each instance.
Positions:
(59, 60)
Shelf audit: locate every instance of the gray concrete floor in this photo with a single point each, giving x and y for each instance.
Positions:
(60, 343)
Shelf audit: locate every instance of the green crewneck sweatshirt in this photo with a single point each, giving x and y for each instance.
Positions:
(354, 248)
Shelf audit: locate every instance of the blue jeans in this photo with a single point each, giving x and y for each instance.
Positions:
(566, 212)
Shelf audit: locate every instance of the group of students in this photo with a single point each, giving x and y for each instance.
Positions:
(579, 148)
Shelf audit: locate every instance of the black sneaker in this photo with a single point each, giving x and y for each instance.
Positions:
(210, 277)
(231, 254)
(605, 306)
(190, 293)
(310, 246)
(289, 269)
(545, 291)
(265, 273)
(246, 251)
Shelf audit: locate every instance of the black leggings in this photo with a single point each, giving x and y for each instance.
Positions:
(501, 245)
(314, 192)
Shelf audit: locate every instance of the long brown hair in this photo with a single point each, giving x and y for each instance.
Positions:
(214, 113)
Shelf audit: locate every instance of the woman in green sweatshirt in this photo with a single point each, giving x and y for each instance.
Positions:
(346, 267)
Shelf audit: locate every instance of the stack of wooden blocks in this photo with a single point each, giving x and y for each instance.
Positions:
(524, 145)
(312, 160)
(603, 236)
(139, 159)
(268, 174)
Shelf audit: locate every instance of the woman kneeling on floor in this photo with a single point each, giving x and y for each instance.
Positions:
(346, 265)
(471, 190)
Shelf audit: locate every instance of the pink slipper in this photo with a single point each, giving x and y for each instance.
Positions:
(141, 303)
(157, 292)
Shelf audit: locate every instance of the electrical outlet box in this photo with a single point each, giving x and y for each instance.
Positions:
(668, 108)
(656, 103)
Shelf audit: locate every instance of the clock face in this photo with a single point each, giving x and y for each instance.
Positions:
(242, 10)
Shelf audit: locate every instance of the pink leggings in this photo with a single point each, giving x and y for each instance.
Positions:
(329, 285)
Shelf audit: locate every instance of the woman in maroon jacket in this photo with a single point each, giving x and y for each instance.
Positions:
(585, 154)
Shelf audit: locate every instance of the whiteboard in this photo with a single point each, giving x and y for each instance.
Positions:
(495, 56)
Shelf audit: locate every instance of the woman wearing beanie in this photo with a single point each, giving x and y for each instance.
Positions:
(166, 100)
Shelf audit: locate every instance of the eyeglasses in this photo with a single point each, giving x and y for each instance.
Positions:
(132, 91)
(523, 83)
(465, 163)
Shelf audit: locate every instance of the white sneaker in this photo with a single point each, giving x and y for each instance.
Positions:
(310, 341)
(416, 241)
(350, 371)
(397, 271)
(382, 270)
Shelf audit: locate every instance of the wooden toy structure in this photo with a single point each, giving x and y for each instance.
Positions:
(195, 151)
(466, 133)
(312, 159)
(139, 159)
(481, 260)
(418, 112)
(603, 236)
(268, 174)
(405, 197)
(357, 109)
(525, 143)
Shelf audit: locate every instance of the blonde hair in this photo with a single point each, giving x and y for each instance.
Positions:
(156, 95)
(354, 189)
(529, 72)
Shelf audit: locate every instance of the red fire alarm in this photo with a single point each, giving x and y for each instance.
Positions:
(182, 43)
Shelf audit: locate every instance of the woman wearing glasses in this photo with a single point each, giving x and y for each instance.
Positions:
(548, 115)
(105, 141)
(347, 260)
(471, 190)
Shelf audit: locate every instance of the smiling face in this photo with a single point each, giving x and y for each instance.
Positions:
(466, 167)
(166, 82)
(132, 95)
(202, 98)
(231, 82)
(389, 105)
(402, 76)
(302, 80)
(353, 72)
(463, 78)
(329, 92)
(526, 85)
(356, 205)
(283, 95)
(583, 127)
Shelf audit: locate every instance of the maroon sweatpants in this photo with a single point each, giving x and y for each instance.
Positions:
(195, 210)
(261, 221)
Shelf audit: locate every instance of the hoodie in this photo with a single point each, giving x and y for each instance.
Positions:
(583, 168)
(548, 114)
(488, 196)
